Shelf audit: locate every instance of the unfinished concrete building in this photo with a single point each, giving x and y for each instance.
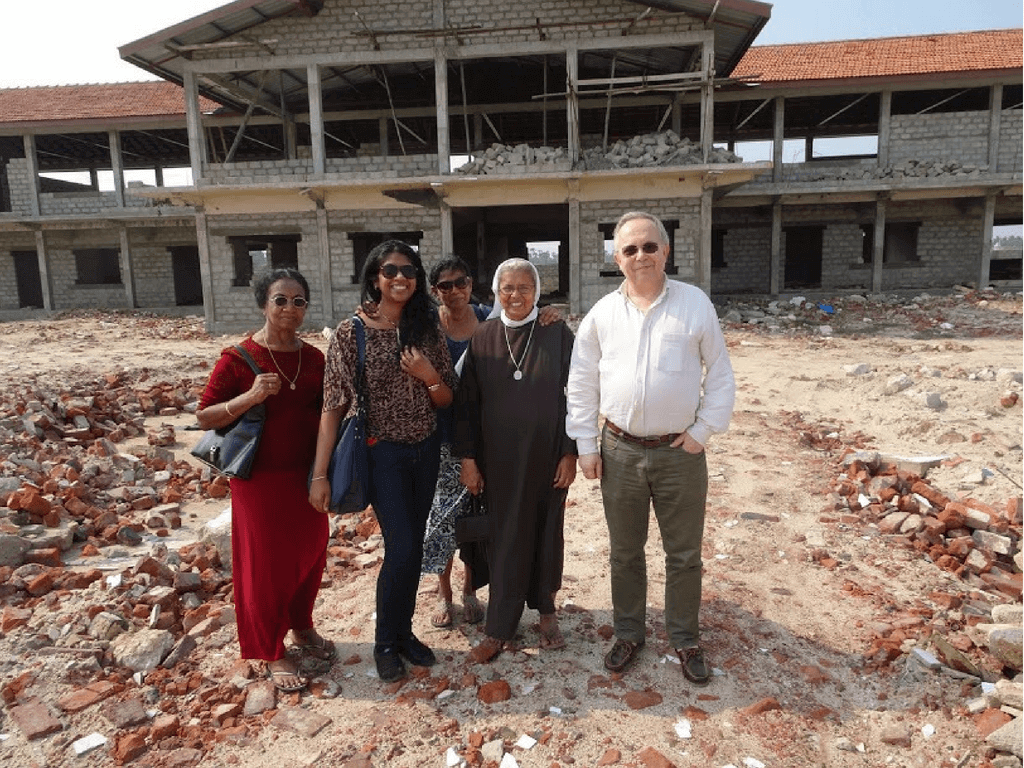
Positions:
(303, 132)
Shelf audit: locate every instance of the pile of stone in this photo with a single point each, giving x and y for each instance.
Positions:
(644, 151)
(909, 169)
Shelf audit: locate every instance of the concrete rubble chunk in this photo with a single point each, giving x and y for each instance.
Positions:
(1008, 738)
(857, 369)
(1006, 643)
(301, 721)
(1010, 693)
(88, 743)
(897, 384)
(1007, 613)
(218, 533)
(142, 651)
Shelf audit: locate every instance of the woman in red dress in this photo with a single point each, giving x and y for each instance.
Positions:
(278, 541)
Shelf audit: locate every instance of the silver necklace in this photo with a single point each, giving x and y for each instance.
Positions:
(518, 375)
(291, 382)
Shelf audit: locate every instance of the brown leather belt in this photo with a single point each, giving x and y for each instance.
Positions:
(646, 442)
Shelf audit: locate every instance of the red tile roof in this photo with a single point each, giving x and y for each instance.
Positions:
(94, 102)
(957, 52)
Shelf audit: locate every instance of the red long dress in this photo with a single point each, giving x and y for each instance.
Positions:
(278, 541)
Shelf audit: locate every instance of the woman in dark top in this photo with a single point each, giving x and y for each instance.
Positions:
(408, 375)
(510, 434)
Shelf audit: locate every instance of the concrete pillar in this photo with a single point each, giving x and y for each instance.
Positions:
(32, 161)
(707, 98)
(194, 121)
(884, 128)
(775, 276)
(382, 134)
(206, 269)
(987, 223)
(316, 118)
(323, 236)
(127, 268)
(575, 249)
(117, 166)
(677, 115)
(572, 102)
(478, 131)
(702, 278)
(878, 246)
(995, 111)
(777, 145)
(447, 230)
(441, 106)
(45, 273)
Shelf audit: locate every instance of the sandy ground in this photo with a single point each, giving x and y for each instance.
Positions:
(775, 622)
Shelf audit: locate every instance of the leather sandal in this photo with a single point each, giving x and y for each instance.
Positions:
(621, 654)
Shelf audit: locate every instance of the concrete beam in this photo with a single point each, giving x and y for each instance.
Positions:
(323, 236)
(884, 127)
(995, 111)
(575, 248)
(206, 270)
(441, 111)
(117, 166)
(32, 163)
(316, 119)
(194, 123)
(878, 246)
(572, 103)
(775, 277)
(127, 267)
(987, 222)
(779, 136)
(45, 273)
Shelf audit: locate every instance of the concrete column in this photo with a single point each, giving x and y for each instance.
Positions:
(447, 230)
(127, 269)
(575, 250)
(323, 236)
(878, 246)
(159, 172)
(884, 128)
(206, 269)
(775, 276)
(478, 131)
(441, 105)
(382, 135)
(707, 98)
(572, 102)
(194, 121)
(702, 278)
(777, 145)
(117, 166)
(677, 115)
(45, 276)
(29, 141)
(988, 219)
(316, 119)
(995, 111)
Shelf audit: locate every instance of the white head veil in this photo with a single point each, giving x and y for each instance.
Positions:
(514, 265)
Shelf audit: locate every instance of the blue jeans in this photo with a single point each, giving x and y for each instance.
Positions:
(402, 481)
(677, 484)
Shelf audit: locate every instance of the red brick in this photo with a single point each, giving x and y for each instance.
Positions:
(494, 691)
(937, 500)
(766, 704)
(652, 758)
(991, 720)
(34, 719)
(49, 556)
(129, 747)
(610, 757)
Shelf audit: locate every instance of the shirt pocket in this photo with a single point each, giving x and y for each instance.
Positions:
(675, 351)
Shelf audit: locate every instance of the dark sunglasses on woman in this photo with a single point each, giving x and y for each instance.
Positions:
(446, 285)
(298, 302)
(390, 271)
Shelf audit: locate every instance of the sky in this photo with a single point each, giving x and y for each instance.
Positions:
(81, 46)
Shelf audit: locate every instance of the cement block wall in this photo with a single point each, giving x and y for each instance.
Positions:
(67, 293)
(279, 171)
(686, 245)
(337, 30)
(960, 136)
(12, 241)
(152, 263)
(20, 182)
(747, 256)
(1010, 141)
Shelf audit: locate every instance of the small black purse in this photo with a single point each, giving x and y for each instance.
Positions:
(231, 449)
(474, 526)
(349, 471)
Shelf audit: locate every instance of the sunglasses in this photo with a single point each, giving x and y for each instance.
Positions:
(632, 250)
(390, 271)
(298, 302)
(446, 285)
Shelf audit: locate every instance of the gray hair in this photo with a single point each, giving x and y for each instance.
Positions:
(631, 216)
(515, 265)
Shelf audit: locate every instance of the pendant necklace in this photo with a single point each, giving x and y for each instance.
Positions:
(518, 375)
(291, 382)
(398, 333)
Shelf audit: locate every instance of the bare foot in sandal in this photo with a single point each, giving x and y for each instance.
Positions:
(551, 637)
(445, 614)
(285, 676)
(472, 611)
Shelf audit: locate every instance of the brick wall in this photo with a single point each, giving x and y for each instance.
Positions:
(959, 136)
(67, 293)
(277, 171)
(152, 263)
(12, 241)
(19, 180)
(747, 254)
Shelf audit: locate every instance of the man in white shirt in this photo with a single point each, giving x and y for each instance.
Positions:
(639, 359)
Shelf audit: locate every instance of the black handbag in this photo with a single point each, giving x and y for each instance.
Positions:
(348, 471)
(474, 526)
(231, 449)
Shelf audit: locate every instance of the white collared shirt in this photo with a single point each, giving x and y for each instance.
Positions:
(643, 371)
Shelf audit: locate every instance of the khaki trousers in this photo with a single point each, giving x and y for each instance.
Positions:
(677, 484)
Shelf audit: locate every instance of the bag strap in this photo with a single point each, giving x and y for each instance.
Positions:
(357, 328)
(248, 358)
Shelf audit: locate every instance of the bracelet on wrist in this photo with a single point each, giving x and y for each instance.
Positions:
(432, 387)
(228, 410)
(318, 477)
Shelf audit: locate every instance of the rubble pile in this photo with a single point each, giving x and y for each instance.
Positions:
(965, 312)
(644, 151)
(909, 169)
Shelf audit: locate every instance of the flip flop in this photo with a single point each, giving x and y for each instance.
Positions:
(472, 611)
(551, 637)
(444, 617)
(284, 687)
(321, 648)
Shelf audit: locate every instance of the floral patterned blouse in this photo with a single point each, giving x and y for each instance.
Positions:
(399, 406)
